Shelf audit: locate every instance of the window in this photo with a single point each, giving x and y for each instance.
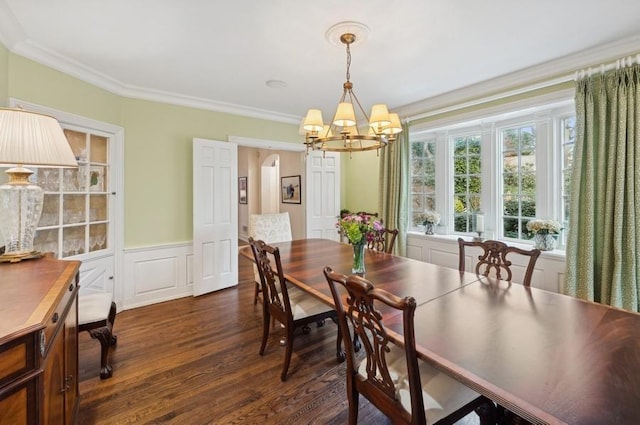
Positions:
(423, 179)
(518, 180)
(467, 182)
(512, 165)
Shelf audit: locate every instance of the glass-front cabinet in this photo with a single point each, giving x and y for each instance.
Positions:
(75, 214)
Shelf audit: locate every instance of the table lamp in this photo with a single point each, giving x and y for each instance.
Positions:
(35, 140)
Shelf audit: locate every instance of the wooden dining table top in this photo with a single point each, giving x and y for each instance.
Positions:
(548, 357)
(304, 260)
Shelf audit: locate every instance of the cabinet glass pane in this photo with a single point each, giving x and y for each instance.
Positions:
(50, 211)
(99, 149)
(74, 209)
(98, 208)
(78, 142)
(97, 237)
(73, 241)
(46, 240)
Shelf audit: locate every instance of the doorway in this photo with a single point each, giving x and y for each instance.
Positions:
(270, 176)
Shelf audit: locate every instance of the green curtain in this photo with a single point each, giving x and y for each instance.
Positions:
(393, 195)
(603, 248)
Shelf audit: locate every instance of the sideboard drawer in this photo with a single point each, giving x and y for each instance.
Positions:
(17, 358)
(56, 319)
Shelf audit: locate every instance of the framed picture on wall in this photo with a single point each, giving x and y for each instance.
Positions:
(291, 190)
(242, 190)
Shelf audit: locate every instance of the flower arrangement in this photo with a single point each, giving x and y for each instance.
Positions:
(359, 227)
(543, 227)
(428, 217)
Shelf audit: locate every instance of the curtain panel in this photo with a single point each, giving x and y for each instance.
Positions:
(393, 192)
(603, 248)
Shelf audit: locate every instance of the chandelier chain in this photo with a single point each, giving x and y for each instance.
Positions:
(348, 60)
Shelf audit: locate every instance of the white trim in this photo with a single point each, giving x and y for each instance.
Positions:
(266, 144)
(526, 106)
(536, 77)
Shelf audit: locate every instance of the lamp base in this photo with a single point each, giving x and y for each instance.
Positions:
(20, 256)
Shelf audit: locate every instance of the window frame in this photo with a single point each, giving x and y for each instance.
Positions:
(546, 113)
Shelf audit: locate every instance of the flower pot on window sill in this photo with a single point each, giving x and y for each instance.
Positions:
(545, 241)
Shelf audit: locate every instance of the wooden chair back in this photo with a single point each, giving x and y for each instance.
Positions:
(273, 287)
(384, 241)
(366, 320)
(494, 259)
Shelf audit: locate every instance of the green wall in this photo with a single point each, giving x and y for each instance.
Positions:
(360, 181)
(157, 143)
(35, 83)
(4, 75)
(158, 164)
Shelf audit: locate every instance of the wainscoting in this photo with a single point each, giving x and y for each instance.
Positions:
(156, 274)
(443, 250)
(162, 273)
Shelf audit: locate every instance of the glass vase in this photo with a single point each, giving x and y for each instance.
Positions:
(544, 241)
(358, 258)
(428, 228)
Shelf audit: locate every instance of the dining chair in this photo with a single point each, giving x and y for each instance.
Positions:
(96, 315)
(271, 228)
(494, 258)
(383, 240)
(390, 376)
(296, 311)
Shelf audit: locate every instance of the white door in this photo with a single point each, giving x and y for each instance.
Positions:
(323, 194)
(215, 215)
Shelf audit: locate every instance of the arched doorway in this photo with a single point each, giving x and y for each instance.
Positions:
(269, 184)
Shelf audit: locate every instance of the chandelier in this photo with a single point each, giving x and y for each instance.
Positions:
(343, 134)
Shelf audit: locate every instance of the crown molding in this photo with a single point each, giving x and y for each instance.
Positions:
(539, 76)
(44, 56)
(532, 78)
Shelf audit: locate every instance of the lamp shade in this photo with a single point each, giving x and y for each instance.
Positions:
(313, 120)
(379, 116)
(345, 115)
(394, 127)
(29, 138)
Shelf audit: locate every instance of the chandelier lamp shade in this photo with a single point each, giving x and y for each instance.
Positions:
(33, 140)
(343, 133)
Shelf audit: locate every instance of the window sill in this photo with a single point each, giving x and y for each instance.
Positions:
(558, 254)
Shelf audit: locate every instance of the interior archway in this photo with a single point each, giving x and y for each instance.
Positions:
(269, 178)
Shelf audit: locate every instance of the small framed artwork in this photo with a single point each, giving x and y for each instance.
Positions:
(291, 190)
(242, 190)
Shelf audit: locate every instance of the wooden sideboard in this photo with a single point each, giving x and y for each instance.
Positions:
(39, 342)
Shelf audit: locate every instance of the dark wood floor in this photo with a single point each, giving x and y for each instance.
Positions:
(195, 361)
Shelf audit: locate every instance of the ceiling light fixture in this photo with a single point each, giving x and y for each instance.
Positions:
(343, 134)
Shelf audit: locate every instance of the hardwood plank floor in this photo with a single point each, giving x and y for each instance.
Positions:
(196, 361)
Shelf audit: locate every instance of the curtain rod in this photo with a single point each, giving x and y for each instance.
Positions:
(620, 63)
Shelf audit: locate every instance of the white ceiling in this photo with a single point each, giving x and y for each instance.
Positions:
(219, 54)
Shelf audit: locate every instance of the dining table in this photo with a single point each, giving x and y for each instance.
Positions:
(547, 357)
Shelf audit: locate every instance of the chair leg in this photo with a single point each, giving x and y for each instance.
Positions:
(106, 339)
(112, 320)
(255, 295)
(353, 406)
(340, 354)
(266, 323)
(287, 354)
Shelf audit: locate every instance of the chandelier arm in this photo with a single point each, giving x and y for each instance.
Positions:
(354, 97)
